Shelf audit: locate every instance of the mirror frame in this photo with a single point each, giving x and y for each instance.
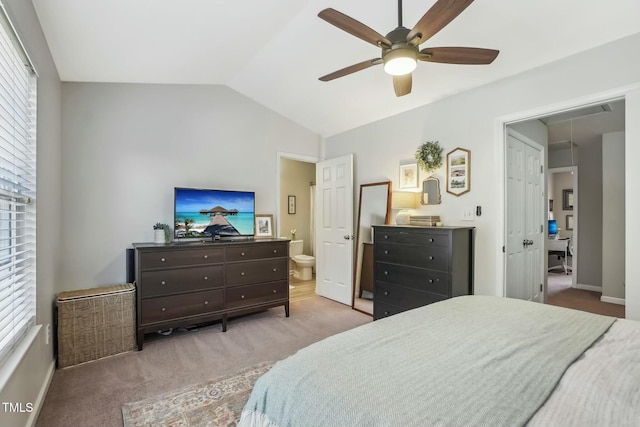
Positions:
(439, 201)
(387, 220)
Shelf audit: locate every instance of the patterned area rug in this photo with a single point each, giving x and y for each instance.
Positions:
(216, 403)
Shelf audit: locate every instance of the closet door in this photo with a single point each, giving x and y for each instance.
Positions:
(525, 214)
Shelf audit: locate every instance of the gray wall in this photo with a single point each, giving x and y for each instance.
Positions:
(589, 219)
(126, 146)
(613, 217)
(469, 119)
(30, 379)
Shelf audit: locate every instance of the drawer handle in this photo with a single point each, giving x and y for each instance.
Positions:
(206, 302)
(430, 257)
(430, 240)
(241, 296)
(275, 269)
(164, 309)
(386, 313)
(206, 256)
(242, 274)
(386, 236)
(162, 259)
(386, 252)
(241, 253)
(275, 251)
(386, 293)
(430, 280)
(206, 278)
(386, 273)
(163, 283)
(275, 292)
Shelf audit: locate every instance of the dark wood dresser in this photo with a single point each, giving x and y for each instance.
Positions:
(183, 284)
(416, 266)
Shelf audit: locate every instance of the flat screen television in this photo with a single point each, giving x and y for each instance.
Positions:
(212, 213)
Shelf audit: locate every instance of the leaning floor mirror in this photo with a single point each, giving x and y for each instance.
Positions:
(374, 208)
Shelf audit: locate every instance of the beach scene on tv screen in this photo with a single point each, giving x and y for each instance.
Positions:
(205, 213)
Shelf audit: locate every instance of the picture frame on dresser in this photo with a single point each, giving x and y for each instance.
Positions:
(264, 226)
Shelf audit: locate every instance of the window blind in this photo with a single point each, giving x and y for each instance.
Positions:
(17, 190)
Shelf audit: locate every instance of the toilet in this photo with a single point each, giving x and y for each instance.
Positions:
(303, 264)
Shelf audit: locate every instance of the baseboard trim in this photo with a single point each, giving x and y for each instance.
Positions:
(612, 300)
(33, 417)
(589, 288)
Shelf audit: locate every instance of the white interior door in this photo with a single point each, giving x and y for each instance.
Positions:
(525, 218)
(334, 214)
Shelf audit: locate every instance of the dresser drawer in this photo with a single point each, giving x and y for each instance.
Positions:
(161, 309)
(383, 309)
(257, 251)
(417, 256)
(245, 296)
(412, 237)
(404, 297)
(268, 270)
(166, 282)
(434, 281)
(178, 258)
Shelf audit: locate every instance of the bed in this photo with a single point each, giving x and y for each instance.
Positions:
(466, 361)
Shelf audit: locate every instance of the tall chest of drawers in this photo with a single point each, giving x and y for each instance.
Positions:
(416, 266)
(189, 283)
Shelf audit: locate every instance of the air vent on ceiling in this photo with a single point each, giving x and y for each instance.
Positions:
(575, 114)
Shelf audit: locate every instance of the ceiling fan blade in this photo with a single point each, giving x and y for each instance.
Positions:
(354, 27)
(402, 84)
(436, 18)
(458, 55)
(351, 69)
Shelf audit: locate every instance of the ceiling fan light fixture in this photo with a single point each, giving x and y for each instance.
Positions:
(399, 62)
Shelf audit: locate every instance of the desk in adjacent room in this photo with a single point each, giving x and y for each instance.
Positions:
(559, 245)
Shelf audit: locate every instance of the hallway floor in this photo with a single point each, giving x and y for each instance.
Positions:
(561, 294)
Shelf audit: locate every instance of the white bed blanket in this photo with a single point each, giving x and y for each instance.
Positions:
(467, 361)
(602, 388)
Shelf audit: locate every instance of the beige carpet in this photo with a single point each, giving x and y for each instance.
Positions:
(92, 394)
(217, 403)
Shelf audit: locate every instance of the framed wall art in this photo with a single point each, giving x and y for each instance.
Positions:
(264, 226)
(459, 171)
(567, 199)
(569, 224)
(409, 176)
(292, 204)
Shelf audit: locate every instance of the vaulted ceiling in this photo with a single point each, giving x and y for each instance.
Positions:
(274, 51)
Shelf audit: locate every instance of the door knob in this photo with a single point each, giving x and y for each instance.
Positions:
(348, 237)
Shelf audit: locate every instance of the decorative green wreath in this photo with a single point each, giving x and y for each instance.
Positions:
(429, 156)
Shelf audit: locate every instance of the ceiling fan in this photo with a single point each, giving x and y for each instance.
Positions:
(400, 51)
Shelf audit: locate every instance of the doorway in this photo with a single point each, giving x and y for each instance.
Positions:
(592, 137)
(562, 254)
(295, 218)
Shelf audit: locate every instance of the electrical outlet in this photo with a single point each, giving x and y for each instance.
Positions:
(467, 214)
(47, 333)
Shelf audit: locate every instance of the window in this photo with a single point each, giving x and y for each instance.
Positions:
(17, 189)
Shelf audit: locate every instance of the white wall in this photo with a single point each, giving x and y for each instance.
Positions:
(469, 120)
(125, 148)
(632, 204)
(29, 381)
(613, 220)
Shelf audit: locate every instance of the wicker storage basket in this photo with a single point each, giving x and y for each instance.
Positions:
(95, 323)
